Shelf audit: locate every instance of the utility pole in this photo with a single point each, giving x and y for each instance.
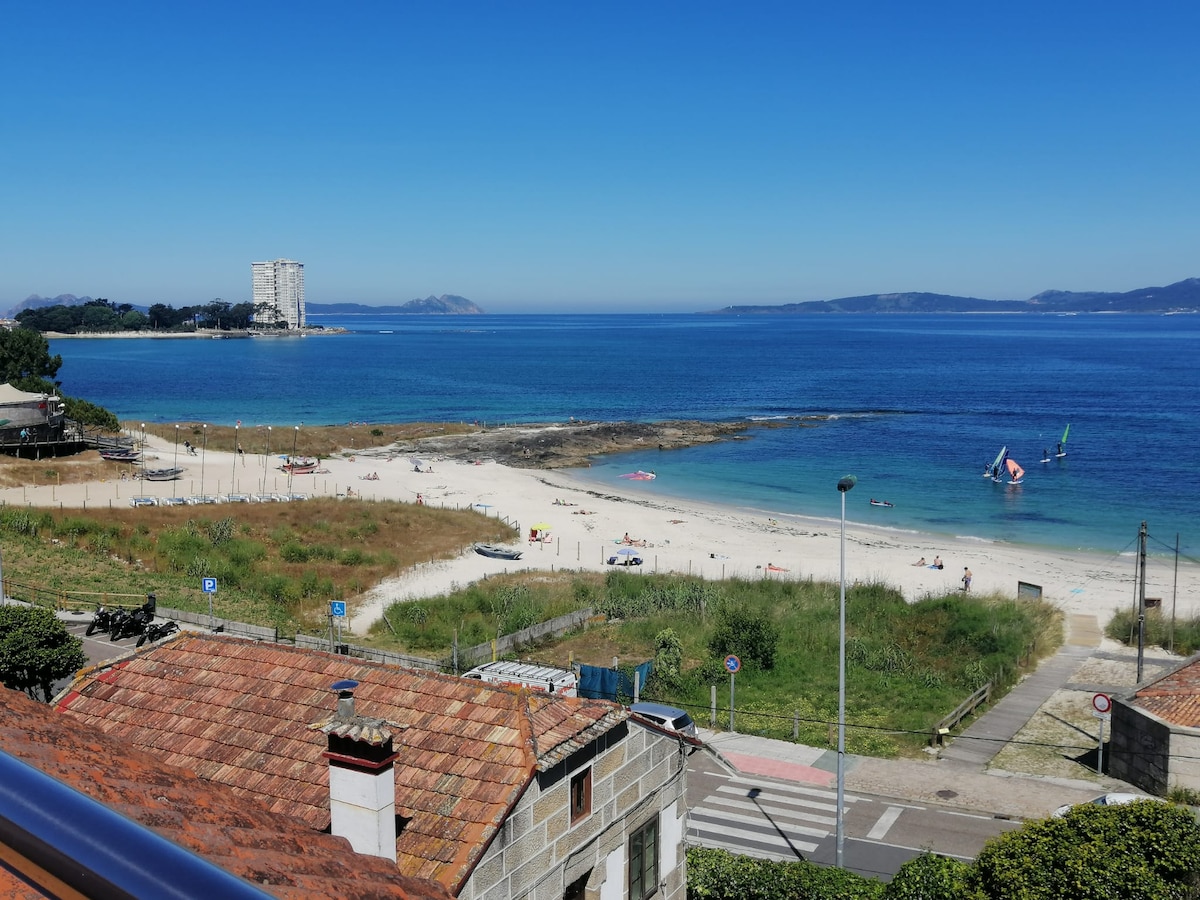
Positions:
(1174, 596)
(1141, 600)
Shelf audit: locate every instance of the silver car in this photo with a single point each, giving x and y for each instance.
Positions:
(668, 718)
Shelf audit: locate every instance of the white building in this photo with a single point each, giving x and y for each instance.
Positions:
(279, 292)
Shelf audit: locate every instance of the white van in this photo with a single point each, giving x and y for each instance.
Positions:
(561, 682)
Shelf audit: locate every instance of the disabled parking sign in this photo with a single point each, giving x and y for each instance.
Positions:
(337, 608)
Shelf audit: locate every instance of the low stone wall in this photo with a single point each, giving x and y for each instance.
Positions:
(227, 626)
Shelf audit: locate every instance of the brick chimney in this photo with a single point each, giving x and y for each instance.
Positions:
(362, 782)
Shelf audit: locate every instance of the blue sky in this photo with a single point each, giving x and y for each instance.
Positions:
(573, 157)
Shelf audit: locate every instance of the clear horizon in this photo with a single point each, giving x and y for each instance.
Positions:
(554, 158)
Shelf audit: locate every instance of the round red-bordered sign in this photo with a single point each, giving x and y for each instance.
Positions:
(1102, 703)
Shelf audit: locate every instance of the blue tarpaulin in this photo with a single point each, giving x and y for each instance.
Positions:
(598, 683)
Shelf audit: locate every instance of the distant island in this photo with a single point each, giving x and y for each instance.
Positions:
(1180, 297)
(445, 305)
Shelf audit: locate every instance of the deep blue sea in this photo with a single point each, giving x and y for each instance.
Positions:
(914, 405)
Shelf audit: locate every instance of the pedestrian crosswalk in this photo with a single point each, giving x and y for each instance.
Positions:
(767, 819)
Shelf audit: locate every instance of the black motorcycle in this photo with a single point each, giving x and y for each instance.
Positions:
(131, 624)
(156, 632)
(100, 621)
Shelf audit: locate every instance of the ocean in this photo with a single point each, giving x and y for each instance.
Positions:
(915, 406)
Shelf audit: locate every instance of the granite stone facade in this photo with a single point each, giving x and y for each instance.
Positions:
(638, 775)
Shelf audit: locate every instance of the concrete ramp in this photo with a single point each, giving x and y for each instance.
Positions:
(979, 743)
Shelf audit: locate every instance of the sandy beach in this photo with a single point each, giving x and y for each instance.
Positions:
(586, 523)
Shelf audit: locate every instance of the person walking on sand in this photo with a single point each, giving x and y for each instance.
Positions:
(966, 579)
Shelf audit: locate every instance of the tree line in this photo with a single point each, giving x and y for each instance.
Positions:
(102, 316)
(26, 364)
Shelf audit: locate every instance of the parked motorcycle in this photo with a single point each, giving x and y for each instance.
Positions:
(100, 621)
(157, 631)
(131, 624)
(116, 623)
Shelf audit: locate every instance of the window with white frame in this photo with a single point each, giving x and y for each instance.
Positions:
(643, 861)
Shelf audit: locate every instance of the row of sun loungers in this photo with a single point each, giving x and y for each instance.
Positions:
(215, 498)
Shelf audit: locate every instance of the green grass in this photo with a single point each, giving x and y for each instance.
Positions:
(908, 665)
(1183, 636)
(276, 564)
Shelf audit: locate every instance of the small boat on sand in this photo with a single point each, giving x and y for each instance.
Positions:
(121, 455)
(300, 465)
(491, 550)
(161, 474)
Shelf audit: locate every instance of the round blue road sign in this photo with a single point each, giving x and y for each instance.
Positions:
(732, 663)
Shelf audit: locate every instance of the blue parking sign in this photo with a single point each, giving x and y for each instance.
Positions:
(208, 585)
(337, 608)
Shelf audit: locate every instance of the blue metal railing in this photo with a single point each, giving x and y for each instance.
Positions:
(98, 852)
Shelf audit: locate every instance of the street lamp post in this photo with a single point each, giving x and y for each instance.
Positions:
(175, 465)
(292, 461)
(203, 457)
(236, 454)
(843, 486)
(266, 456)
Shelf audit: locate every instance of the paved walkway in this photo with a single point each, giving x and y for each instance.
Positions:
(959, 776)
(977, 745)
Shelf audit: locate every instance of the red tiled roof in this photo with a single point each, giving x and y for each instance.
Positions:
(277, 853)
(1175, 697)
(237, 711)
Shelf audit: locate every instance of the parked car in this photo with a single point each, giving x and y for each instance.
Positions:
(669, 718)
(1116, 799)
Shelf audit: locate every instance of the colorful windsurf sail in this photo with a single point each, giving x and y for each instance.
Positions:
(1015, 472)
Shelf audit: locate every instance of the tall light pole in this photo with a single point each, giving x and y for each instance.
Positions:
(203, 457)
(175, 465)
(292, 460)
(143, 455)
(844, 485)
(266, 456)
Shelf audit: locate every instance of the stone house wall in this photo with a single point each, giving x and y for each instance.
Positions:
(638, 775)
(1151, 753)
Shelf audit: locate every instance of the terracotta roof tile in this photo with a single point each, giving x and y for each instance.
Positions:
(236, 711)
(1175, 697)
(277, 853)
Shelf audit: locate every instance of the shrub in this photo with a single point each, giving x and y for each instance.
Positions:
(720, 875)
(668, 657)
(1136, 851)
(929, 877)
(748, 634)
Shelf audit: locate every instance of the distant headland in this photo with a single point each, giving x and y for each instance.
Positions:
(1180, 297)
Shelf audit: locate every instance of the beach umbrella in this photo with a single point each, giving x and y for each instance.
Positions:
(629, 551)
(541, 526)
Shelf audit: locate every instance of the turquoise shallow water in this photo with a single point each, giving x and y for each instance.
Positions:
(913, 405)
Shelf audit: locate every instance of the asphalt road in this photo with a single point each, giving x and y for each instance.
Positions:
(785, 820)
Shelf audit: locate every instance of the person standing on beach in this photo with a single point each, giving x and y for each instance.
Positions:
(966, 579)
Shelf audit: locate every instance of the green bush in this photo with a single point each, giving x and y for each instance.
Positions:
(749, 634)
(294, 553)
(929, 877)
(720, 875)
(1146, 850)
(1184, 637)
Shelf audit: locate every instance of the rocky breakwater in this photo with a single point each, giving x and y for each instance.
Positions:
(571, 445)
